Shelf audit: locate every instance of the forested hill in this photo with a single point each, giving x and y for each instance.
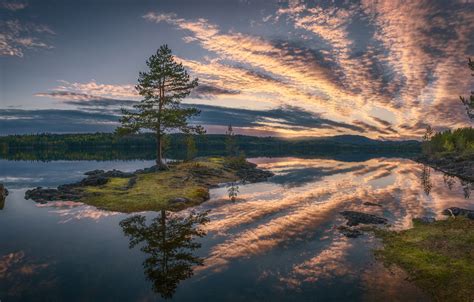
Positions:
(143, 145)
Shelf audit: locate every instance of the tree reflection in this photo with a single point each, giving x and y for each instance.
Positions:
(449, 180)
(169, 242)
(426, 179)
(233, 191)
(467, 187)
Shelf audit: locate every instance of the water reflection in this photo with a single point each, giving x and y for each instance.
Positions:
(426, 180)
(169, 242)
(449, 180)
(233, 191)
(279, 242)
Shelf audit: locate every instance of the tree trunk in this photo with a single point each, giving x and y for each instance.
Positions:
(159, 158)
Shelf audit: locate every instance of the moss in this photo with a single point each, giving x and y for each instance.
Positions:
(439, 257)
(153, 191)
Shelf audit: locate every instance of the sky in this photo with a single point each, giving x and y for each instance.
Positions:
(385, 69)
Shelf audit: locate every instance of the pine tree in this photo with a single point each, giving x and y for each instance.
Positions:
(230, 144)
(162, 87)
(191, 149)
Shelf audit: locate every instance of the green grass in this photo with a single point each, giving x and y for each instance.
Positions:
(153, 191)
(438, 257)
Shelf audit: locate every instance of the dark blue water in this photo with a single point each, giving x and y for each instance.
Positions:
(277, 242)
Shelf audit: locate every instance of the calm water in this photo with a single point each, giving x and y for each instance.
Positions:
(276, 242)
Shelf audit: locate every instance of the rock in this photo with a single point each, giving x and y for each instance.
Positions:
(94, 172)
(425, 219)
(112, 173)
(3, 196)
(3, 191)
(372, 204)
(454, 211)
(355, 218)
(93, 181)
(178, 200)
(117, 173)
(349, 232)
(43, 195)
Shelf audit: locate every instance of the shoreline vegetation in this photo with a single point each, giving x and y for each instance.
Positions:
(107, 146)
(438, 256)
(183, 185)
(451, 152)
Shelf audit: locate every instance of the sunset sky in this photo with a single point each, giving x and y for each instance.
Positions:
(383, 69)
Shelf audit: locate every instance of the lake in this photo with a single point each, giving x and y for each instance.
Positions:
(278, 241)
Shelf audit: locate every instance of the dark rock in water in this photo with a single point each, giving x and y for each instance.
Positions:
(3, 191)
(372, 204)
(349, 232)
(425, 219)
(454, 211)
(112, 173)
(96, 180)
(3, 196)
(94, 172)
(117, 173)
(152, 169)
(74, 191)
(43, 195)
(355, 218)
(178, 200)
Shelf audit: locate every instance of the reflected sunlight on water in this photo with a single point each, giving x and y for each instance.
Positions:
(277, 239)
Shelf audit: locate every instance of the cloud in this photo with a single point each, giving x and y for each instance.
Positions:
(209, 91)
(102, 115)
(123, 91)
(13, 6)
(85, 100)
(16, 37)
(287, 117)
(375, 65)
(16, 121)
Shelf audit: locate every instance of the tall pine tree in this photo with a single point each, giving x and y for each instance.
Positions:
(162, 87)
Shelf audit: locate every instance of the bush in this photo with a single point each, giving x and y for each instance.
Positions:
(459, 142)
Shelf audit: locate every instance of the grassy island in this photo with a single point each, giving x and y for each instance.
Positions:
(183, 185)
(438, 256)
(188, 182)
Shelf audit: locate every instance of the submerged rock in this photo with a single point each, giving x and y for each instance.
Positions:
(356, 218)
(349, 232)
(454, 211)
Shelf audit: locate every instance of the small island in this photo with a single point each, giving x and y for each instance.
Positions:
(183, 185)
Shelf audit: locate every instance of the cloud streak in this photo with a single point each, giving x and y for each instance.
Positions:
(377, 65)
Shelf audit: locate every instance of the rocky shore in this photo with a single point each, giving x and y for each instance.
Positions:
(184, 184)
(451, 165)
(75, 191)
